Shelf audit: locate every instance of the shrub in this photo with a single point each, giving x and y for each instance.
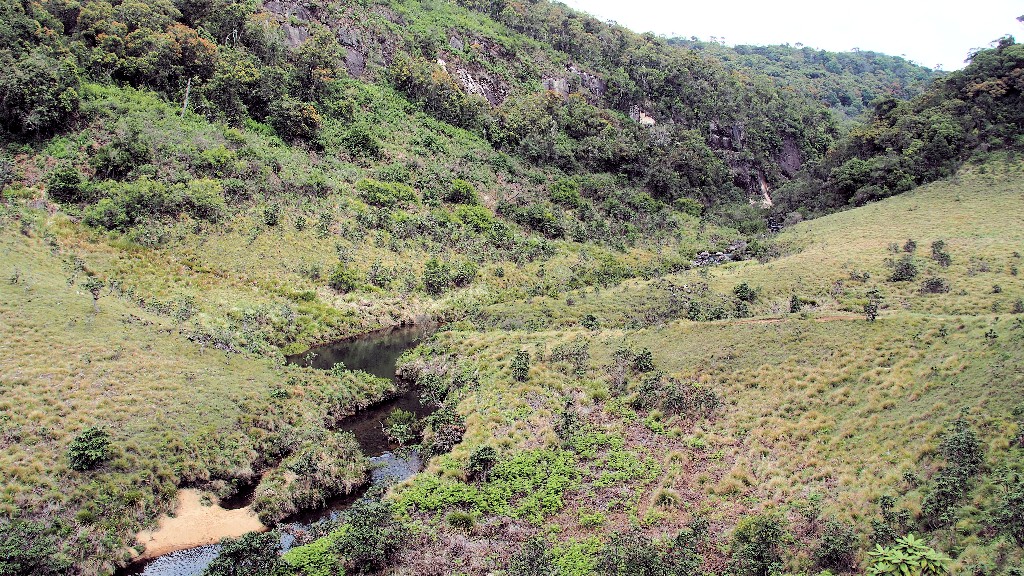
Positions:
(462, 192)
(343, 279)
(481, 461)
(359, 141)
(521, 366)
(689, 206)
(643, 361)
(566, 191)
(744, 292)
(271, 214)
(634, 554)
(756, 547)
(30, 548)
(590, 322)
(252, 554)
(371, 536)
(935, 285)
(65, 184)
(939, 253)
(294, 119)
(910, 246)
(904, 270)
(385, 194)
(380, 275)
(401, 427)
(89, 448)
(460, 520)
(446, 427)
(908, 556)
(964, 457)
(837, 547)
(476, 218)
(436, 277)
(795, 304)
(1010, 515)
(533, 559)
(464, 273)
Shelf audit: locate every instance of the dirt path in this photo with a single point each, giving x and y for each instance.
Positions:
(194, 524)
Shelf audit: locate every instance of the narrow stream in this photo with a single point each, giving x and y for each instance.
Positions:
(376, 353)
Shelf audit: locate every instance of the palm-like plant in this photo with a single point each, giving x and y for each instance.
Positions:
(908, 556)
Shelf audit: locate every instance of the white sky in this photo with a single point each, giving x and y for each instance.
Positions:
(927, 32)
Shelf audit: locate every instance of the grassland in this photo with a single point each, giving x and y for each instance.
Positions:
(823, 411)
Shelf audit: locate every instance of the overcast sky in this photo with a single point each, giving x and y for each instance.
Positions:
(927, 32)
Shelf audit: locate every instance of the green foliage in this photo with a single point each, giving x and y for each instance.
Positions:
(521, 366)
(643, 361)
(65, 184)
(401, 426)
(385, 194)
(318, 558)
(939, 253)
(1010, 513)
(477, 218)
(39, 92)
(295, 120)
(436, 277)
(689, 206)
(744, 292)
(757, 544)
(904, 270)
(343, 278)
(566, 191)
(535, 558)
(795, 304)
(481, 461)
(909, 556)
(252, 554)
(837, 547)
(125, 205)
(89, 449)
(590, 322)
(462, 192)
(634, 554)
(30, 548)
(371, 535)
(460, 520)
(964, 457)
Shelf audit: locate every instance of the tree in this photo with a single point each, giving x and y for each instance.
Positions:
(38, 92)
(94, 286)
(1010, 516)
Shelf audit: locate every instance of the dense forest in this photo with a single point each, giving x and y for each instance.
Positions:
(645, 362)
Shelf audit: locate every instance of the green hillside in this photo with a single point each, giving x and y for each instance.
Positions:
(637, 371)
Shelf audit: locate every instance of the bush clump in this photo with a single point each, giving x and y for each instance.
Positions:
(462, 192)
(343, 279)
(371, 536)
(756, 547)
(521, 366)
(904, 270)
(837, 547)
(251, 554)
(89, 448)
(385, 194)
(935, 285)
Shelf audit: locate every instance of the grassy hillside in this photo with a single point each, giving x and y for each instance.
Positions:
(820, 418)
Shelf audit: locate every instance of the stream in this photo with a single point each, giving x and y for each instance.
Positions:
(376, 353)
